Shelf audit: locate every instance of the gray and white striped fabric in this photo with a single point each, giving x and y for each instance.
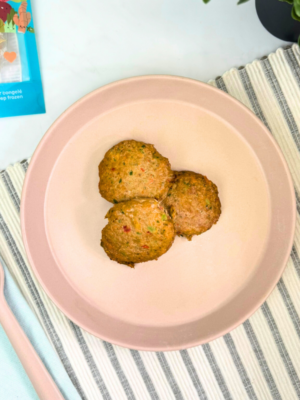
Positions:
(258, 360)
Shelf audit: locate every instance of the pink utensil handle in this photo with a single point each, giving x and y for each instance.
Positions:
(40, 378)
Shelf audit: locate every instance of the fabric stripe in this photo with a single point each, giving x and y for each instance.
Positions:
(297, 201)
(281, 348)
(169, 375)
(296, 260)
(216, 371)
(252, 96)
(293, 64)
(118, 369)
(144, 374)
(25, 165)
(289, 118)
(221, 84)
(40, 306)
(261, 360)
(193, 374)
(289, 305)
(11, 190)
(235, 87)
(90, 361)
(240, 367)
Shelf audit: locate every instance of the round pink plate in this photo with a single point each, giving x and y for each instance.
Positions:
(199, 290)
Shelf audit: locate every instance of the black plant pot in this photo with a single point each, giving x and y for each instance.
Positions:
(276, 17)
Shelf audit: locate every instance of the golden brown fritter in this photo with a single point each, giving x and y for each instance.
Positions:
(134, 169)
(137, 231)
(193, 204)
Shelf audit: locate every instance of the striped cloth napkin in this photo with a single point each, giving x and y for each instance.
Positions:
(258, 360)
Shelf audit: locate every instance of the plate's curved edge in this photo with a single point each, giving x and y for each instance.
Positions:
(27, 181)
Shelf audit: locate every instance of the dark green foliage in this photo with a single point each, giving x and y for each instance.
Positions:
(10, 16)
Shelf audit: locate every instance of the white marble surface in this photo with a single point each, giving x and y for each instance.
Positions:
(86, 44)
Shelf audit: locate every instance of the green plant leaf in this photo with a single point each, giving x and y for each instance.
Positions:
(1, 26)
(294, 15)
(287, 1)
(297, 8)
(10, 16)
(31, 30)
(299, 41)
(242, 1)
(206, 1)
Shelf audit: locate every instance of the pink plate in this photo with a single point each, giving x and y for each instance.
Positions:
(199, 290)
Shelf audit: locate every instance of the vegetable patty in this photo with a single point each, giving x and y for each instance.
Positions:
(137, 231)
(193, 204)
(134, 169)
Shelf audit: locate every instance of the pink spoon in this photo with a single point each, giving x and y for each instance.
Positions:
(40, 378)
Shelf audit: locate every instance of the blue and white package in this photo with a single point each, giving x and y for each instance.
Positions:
(21, 91)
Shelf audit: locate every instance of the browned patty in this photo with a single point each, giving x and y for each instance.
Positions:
(137, 231)
(193, 204)
(134, 169)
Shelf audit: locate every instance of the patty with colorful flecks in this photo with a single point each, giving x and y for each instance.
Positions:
(193, 203)
(134, 169)
(137, 231)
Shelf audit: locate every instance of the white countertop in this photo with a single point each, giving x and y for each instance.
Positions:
(86, 44)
